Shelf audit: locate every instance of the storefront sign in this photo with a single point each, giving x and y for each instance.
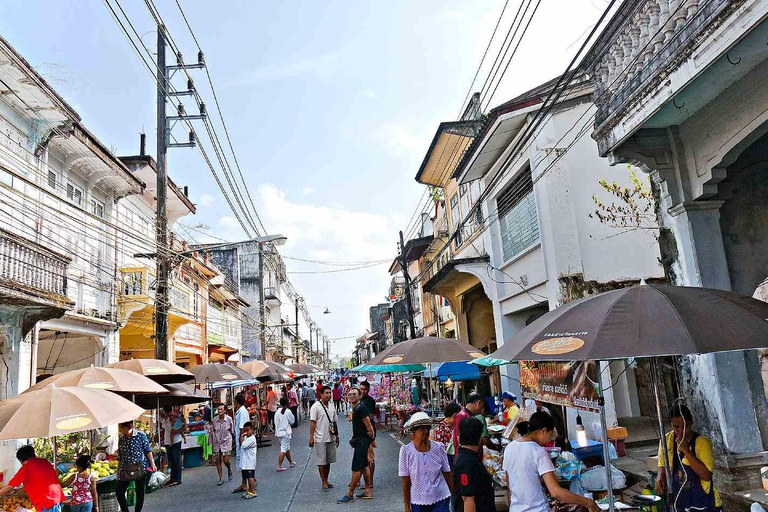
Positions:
(572, 384)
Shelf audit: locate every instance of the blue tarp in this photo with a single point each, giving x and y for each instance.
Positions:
(458, 371)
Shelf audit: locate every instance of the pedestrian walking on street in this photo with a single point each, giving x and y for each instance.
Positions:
(362, 436)
(223, 441)
(136, 461)
(424, 469)
(472, 484)
(293, 404)
(271, 407)
(283, 420)
(370, 403)
(324, 435)
(241, 419)
(302, 392)
(311, 395)
(336, 396)
(248, 460)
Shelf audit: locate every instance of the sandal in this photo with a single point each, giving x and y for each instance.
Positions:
(293, 464)
(363, 496)
(345, 499)
(221, 482)
(280, 469)
(249, 496)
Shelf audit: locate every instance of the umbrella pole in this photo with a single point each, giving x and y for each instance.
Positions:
(657, 393)
(606, 450)
(54, 451)
(431, 404)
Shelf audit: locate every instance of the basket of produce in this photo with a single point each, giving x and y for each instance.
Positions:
(17, 501)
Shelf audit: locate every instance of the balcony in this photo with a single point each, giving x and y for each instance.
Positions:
(272, 295)
(644, 43)
(32, 275)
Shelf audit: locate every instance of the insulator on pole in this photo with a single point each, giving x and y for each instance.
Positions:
(200, 57)
(190, 85)
(191, 136)
(179, 58)
(202, 108)
(180, 109)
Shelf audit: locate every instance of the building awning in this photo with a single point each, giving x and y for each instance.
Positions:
(445, 280)
(445, 151)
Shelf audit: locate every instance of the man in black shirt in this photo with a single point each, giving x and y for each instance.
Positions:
(472, 484)
(370, 404)
(362, 435)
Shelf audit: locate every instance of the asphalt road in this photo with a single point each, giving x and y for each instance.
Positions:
(297, 489)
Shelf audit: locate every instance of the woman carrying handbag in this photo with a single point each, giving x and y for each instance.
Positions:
(135, 463)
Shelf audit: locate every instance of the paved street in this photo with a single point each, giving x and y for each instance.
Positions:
(297, 489)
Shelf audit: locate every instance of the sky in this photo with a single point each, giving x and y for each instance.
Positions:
(331, 107)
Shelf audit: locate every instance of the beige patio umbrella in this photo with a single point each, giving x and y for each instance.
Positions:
(162, 372)
(112, 379)
(266, 371)
(53, 411)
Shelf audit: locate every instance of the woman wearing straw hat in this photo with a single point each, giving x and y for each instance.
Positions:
(424, 469)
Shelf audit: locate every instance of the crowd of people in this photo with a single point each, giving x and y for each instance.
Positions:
(441, 468)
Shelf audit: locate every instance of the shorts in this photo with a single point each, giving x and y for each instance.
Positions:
(360, 455)
(248, 473)
(224, 453)
(325, 453)
(440, 506)
(285, 443)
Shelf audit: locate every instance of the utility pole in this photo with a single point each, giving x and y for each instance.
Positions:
(298, 338)
(408, 304)
(162, 255)
(311, 348)
(163, 264)
(262, 319)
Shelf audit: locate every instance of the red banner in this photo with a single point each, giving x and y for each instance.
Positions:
(572, 384)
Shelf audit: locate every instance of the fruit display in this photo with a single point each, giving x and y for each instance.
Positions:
(101, 469)
(17, 501)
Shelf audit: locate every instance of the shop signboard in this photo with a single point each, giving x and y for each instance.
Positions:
(568, 383)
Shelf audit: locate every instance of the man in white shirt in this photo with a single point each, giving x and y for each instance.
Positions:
(241, 418)
(324, 434)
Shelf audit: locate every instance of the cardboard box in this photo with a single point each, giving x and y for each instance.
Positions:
(653, 463)
(617, 433)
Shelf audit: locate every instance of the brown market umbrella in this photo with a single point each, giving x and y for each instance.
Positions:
(218, 372)
(162, 372)
(429, 349)
(111, 379)
(643, 321)
(175, 394)
(53, 411)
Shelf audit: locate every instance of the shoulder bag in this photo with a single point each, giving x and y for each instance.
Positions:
(129, 471)
(333, 428)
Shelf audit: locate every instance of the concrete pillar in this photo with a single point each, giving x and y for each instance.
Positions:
(717, 386)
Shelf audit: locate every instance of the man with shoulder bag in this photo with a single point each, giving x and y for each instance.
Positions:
(362, 437)
(324, 435)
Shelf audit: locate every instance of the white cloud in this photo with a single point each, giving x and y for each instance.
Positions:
(453, 14)
(368, 93)
(207, 200)
(306, 191)
(402, 140)
(321, 65)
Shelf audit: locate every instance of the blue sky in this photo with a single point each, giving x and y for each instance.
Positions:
(331, 106)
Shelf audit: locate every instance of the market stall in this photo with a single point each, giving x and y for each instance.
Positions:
(640, 321)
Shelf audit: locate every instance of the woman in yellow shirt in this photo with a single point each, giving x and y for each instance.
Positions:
(692, 461)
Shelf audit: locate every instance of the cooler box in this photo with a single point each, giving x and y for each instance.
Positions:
(192, 458)
(590, 449)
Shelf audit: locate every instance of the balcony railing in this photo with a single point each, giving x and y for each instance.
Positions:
(642, 45)
(30, 267)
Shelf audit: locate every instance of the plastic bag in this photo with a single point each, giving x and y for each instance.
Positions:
(576, 487)
(157, 479)
(594, 479)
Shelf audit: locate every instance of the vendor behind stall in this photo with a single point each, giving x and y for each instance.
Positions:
(692, 461)
(511, 409)
(39, 479)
